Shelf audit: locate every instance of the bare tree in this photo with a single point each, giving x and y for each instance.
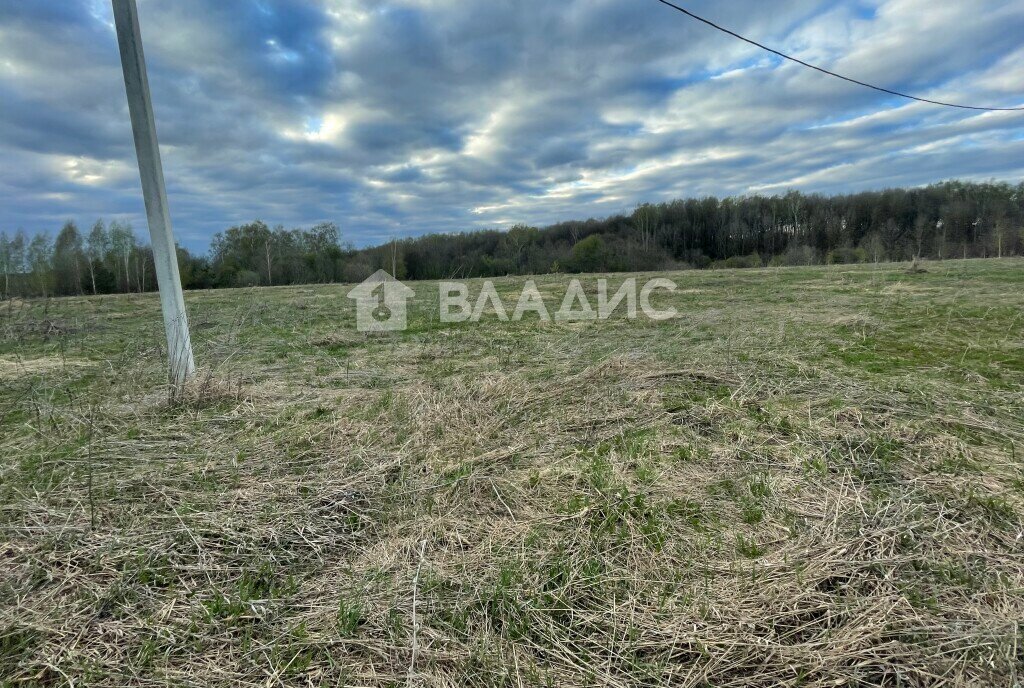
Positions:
(96, 248)
(1000, 229)
(39, 255)
(645, 219)
(122, 241)
(574, 232)
(874, 246)
(266, 245)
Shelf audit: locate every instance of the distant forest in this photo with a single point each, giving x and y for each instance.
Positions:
(948, 220)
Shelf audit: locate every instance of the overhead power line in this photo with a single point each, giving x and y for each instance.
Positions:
(825, 71)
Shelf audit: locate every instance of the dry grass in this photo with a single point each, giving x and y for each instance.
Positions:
(784, 488)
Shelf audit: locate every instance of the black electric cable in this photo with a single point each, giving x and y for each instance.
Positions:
(825, 71)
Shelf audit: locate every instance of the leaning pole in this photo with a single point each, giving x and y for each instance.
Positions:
(140, 107)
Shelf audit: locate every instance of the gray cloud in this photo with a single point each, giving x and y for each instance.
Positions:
(398, 118)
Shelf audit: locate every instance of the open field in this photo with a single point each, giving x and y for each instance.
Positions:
(811, 477)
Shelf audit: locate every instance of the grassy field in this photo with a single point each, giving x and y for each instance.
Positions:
(811, 477)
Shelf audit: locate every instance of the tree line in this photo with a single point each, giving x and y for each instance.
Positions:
(948, 220)
(112, 259)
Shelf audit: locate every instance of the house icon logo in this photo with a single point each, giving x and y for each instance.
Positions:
(380, 303)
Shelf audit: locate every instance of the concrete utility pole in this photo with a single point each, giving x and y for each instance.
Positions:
(140, 107)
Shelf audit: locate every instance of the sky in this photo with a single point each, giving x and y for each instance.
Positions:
(400, 118)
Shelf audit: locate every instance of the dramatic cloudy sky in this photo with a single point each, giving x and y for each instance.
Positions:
(395, 118)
